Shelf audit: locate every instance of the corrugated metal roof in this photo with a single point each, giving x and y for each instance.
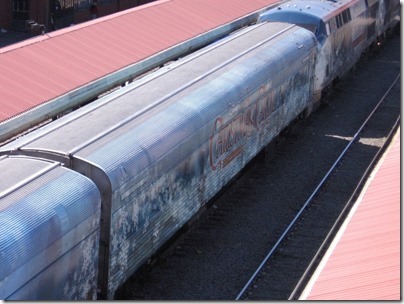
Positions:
(364, 261)
(43, 68)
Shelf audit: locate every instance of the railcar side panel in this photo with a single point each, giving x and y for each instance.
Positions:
(49, 228)
(388, 15)
(181, 156)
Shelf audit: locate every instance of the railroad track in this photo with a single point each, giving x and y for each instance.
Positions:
(329, 204)
(218, 255)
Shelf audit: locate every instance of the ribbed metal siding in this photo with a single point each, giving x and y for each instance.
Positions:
(42, 222)
(159, 169)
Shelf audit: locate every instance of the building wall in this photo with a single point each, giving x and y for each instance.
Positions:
(5, 13)
(125, 4)
(108, 8)
(41, 10)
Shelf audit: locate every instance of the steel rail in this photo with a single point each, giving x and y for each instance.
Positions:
(309, 200)
(300, 286)
(296, 293)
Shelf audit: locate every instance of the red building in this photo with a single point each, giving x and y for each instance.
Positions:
(48, 15)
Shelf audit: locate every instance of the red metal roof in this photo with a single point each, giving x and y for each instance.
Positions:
(43, 68)
(364, 261)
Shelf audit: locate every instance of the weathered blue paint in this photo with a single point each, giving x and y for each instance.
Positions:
(49, 229)
(161, 164)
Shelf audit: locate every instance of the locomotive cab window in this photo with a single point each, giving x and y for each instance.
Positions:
(346, 16)
(338, 20)
(343, 18)
(327, 28)
(332, 25)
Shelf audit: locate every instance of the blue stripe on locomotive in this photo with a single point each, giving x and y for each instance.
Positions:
(306, 19)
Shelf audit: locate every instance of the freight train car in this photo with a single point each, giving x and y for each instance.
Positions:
(161, 148)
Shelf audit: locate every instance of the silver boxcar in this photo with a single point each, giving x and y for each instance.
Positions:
(344, 29)
(49, 231)
(162, 147)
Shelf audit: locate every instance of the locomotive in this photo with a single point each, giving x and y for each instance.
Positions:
(344, 30)
(86, 200)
